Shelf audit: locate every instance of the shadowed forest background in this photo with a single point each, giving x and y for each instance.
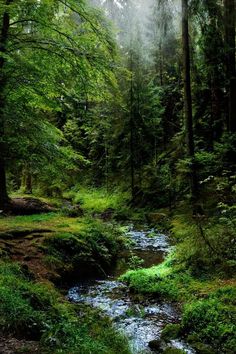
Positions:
(116, 112)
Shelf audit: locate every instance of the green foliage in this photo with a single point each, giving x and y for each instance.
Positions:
(98, 200)
(135, 262)
(152, 280)
(171, 331)
(135, 311)
(62, 55)
(213, 319)
(206, 244)
(92, 251)
(209, 314)
(36, 311)
(23, 303)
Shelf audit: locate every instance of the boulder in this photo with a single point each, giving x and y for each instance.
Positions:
(29, 206)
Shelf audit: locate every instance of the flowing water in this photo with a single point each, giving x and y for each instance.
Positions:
(141, 321)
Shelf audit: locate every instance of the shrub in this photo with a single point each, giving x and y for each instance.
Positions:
(213, 319)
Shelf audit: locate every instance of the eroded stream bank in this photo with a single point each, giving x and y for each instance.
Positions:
(142, 321)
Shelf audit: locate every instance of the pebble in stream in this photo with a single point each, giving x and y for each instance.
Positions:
(141, 323)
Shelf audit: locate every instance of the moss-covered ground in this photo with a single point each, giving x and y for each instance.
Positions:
(44, 250)
(35, 311)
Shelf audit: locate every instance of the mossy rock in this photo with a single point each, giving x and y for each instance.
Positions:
(193, 338)
(171, 331)
(202, 348)
(173, 351)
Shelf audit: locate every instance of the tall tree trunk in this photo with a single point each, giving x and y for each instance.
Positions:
(26, 180)
(131, 123)
(3, 43)
(229, 6)
(188, 101)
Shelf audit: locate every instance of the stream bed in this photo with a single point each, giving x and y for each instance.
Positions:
(140, 321)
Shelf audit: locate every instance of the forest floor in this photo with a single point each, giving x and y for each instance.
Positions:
(38, 252)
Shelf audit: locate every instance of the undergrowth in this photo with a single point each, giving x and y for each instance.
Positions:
(89, 252)
(37, 311)
(94, 200)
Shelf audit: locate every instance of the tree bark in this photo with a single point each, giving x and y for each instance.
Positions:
(3, 81)
(26, 180)
(131, 123)
(188, 101)
(229, 6)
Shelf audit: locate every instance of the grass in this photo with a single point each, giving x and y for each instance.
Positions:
(209, 313)
(84, 245)
(37, 311)
(90, 252)
(53, 221)
(99, 200)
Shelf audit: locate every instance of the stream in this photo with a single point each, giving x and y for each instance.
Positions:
(140, 321)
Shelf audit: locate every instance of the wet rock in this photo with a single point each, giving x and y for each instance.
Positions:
(156, 345)
(107, 214)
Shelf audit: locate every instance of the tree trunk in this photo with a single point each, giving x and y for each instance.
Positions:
(26, 180)
(232, 105)
(131, 123)
(229, 6)
(3, 81)
(188, 101)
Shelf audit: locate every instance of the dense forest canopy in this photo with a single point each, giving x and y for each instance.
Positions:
(99, 88)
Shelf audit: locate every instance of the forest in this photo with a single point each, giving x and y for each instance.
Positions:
(117, 176)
